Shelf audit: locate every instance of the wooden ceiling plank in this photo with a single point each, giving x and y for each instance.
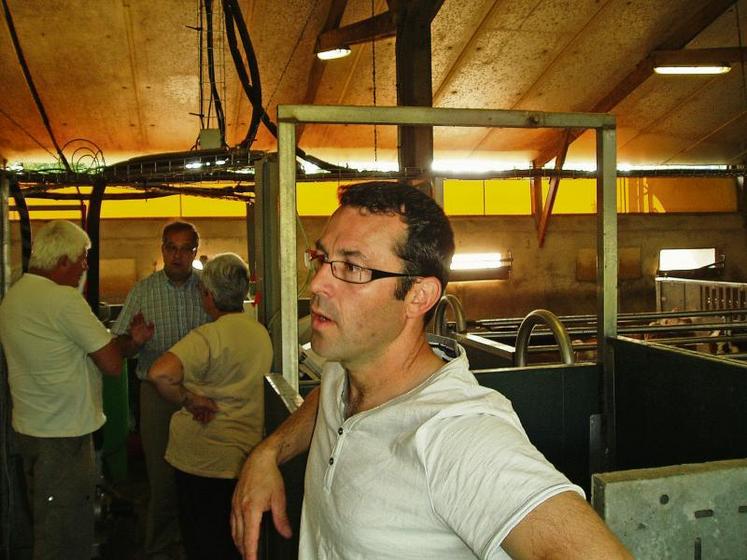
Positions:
(678, 39)
(132, 50)
(708, 135)
(667, 114)
(557, 141)
(740, 158)
(468, 46)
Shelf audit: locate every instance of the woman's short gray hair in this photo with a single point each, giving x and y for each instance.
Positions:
(226, 277)
(57, 239)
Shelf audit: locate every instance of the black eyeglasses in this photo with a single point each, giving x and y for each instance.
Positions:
(346, 271)
(172, 249)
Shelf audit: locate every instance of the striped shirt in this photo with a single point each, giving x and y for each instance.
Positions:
(175, 310)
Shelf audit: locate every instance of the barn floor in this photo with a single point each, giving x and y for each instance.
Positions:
(121, 529)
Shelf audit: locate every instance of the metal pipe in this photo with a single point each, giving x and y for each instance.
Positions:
(439, 323)
(537, 317)
(287, 247)
(5, 255)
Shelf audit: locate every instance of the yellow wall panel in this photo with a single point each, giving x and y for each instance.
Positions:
(200, 206)
(670, 194)
(64, 209)
(317, 199)
(166, 207)
(508, 197)
(574, 196)
(464, 197)
(461, 198)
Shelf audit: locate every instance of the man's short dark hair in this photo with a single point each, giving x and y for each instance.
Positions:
(174, 227)
(429, 246)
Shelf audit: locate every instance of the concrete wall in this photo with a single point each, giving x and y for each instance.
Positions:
(555, 277)
(548, 277)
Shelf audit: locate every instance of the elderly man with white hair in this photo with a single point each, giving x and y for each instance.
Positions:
(215, 373)
(56, 350)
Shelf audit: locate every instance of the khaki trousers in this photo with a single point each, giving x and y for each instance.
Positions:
(162, 521)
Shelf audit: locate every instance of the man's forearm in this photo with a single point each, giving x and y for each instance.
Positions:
(293, 436)
(127, 346)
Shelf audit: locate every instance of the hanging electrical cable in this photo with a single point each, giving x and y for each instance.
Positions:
(214, 95)
(30, 83)
(292, 54)
(252, 64)
(250, 85)
(27, 133)
(253, 89)
(200, 62)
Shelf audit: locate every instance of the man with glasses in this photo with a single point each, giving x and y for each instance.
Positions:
(170, 298)
(408, 456)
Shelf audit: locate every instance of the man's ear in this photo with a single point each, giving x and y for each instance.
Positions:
(423, 295)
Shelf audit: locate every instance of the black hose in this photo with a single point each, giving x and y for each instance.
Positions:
(253, 89)
(94, 254)
(211, 72)
(24, 222)
(243, 78)
(256, 85)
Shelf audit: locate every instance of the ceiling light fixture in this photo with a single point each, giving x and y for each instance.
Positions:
(480, 266)
(692, 70)
(695, 62)
(332, 54)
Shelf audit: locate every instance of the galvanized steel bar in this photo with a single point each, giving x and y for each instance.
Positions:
(287, 256)
(290, 115)
(427, 116)
(607, 277)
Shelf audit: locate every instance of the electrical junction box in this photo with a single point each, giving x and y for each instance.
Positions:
(696, 511)
(209, 139)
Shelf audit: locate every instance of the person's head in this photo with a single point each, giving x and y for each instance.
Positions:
(401, 235)
(429, 241)
(60, 250)
(178, 248)
(226, 278)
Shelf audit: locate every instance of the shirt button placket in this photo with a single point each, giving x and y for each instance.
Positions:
(329, 475)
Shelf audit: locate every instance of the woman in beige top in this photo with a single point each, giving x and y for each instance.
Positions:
(216, 374)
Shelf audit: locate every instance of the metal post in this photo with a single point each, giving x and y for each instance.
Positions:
(287, 255)
(251, 238)
(5, 269)
(267, 252)
(607, 277)
(289, 116)
(93, 227)
(437, 190)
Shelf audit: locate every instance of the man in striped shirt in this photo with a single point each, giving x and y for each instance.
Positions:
(169, 298)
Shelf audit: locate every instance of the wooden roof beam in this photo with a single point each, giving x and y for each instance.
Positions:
(552, 192)
(371, 29)
(414, 80)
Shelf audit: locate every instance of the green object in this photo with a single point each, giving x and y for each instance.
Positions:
(116, 428)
